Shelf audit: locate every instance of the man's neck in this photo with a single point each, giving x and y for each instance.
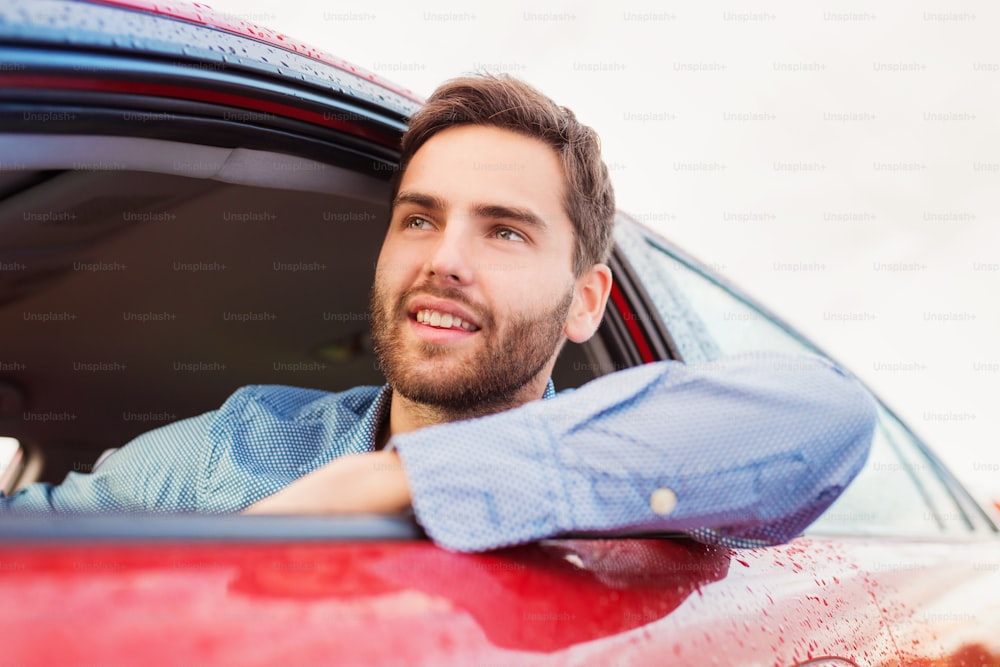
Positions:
(406, 415)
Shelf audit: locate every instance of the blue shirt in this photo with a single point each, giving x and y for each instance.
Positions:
(744, 451)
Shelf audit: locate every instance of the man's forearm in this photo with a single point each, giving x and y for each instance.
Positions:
(373, 482)
(754, 447)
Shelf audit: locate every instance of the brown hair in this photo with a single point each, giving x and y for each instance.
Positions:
(508, 103)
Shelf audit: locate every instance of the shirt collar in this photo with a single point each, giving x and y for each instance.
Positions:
(363, 434)
(550, 390)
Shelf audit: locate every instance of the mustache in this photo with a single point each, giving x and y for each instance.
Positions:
(481, 313)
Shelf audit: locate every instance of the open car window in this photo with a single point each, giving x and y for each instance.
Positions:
(151, 283)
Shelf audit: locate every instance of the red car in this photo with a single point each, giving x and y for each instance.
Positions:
(169, 180)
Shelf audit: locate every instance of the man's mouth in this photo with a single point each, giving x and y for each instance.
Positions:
(441, 320)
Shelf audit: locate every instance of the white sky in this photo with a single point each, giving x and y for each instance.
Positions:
(872, 150)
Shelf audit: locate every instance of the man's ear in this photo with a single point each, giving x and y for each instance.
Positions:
(590, 295)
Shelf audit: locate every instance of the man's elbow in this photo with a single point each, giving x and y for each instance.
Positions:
(830, 454)
(848, 415)
(848, 425)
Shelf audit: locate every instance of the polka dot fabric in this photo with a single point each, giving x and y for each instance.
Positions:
(260, 440)
(753, 447)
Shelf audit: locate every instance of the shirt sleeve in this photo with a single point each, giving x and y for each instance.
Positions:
(743, 451)
(156, 471)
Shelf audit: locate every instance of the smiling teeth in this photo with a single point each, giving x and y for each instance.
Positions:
(443, 320)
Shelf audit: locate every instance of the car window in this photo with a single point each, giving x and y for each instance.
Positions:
(207, 282)
(898, 492)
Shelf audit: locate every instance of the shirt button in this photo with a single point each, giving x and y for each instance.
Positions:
(663, 501)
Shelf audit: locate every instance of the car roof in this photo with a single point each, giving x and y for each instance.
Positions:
(202, 14)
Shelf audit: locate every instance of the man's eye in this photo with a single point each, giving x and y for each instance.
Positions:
(417, 223)
(508, 235)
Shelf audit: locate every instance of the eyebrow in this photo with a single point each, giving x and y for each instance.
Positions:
(420, 199)
(491, 211)
(501, 212)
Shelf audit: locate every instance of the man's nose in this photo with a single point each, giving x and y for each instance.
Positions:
(450, 260)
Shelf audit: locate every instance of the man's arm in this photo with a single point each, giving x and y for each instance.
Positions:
(744, 451)
(155, 471)
(751, 448)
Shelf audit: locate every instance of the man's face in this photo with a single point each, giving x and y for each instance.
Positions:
(474, 281)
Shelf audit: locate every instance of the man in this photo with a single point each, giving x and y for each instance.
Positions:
(501, 224)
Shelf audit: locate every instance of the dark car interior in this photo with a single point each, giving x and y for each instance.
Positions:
(144, 281)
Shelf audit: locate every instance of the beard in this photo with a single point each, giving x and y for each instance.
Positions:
(506, 360)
